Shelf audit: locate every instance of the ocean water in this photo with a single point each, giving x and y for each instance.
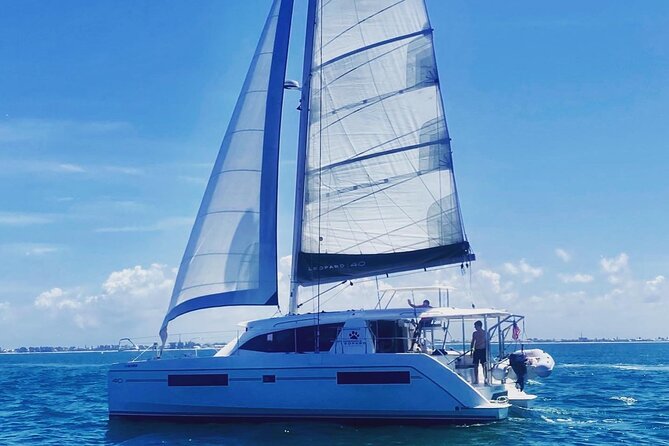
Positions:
(598, 394)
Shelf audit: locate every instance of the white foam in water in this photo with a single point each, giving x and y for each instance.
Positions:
(625, 399)
(633, 367)
(643, 368)
(548, 420)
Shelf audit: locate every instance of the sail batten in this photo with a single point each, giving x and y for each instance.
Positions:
(230, 258)
(379, 192)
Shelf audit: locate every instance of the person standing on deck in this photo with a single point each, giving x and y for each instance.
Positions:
(479, 349)
(421, 323)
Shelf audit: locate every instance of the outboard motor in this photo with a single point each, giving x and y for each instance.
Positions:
(517, 361)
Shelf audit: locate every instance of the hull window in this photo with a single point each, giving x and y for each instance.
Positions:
(373, 378)
(197, 380)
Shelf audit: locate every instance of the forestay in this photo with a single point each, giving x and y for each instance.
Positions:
(230, 258)
(379, 192)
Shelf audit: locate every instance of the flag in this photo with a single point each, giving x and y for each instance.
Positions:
(515, 334)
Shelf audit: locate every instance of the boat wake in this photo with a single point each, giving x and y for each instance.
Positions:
(630, 367)
(628, 400)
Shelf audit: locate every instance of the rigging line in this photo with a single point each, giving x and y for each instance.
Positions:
(398, 183)
(348, 136)
(359, 157)
(374, 83)
(359, 154)
(357, 24)
(420, 177)
(412, 223)
(470, 281)
(335, 295)
(369, 47)
(389, 120)
(366, 103)
(410, 273)
(450, 151)
(324, 292)
(381, 43)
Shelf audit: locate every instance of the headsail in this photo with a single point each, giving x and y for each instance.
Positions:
(230, 258)
(379, 193)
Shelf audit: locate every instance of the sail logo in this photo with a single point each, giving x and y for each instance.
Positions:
(336, 266)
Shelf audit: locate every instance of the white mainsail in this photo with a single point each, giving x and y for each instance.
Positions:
(230, 258)
(379, 193)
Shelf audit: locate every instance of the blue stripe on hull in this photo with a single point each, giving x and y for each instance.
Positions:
(268, 418)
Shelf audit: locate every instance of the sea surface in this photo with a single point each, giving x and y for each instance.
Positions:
(598, 394)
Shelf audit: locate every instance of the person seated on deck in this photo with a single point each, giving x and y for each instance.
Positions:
(478, 348)
(421, 322)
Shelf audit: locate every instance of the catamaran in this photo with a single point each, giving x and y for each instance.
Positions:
(375, 196)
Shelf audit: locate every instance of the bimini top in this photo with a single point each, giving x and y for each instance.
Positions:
(298, 320)
(457, 313)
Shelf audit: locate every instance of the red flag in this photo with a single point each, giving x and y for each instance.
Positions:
(515, 334)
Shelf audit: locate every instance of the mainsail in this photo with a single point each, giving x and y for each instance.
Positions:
(376, 192)
(230, 258)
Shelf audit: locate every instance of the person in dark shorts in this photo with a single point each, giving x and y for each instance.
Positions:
(478, 347)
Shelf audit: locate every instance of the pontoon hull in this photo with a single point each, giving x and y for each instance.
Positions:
(410, 388)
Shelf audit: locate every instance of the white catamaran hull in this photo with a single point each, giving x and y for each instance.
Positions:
(410, 387)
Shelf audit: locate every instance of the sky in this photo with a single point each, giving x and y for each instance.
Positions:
(112, 112)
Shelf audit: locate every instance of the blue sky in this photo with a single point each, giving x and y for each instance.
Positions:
(111, 114)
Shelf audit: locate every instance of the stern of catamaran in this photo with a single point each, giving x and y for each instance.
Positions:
(503, 369)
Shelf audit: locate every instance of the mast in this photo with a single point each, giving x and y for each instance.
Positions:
(302, 151)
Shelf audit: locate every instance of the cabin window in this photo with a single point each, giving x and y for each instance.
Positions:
(301, 340)
(390, 336)
(278, 342)
(306, 337)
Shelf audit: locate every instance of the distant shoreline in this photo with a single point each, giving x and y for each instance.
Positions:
(527, 343)
(105, 351)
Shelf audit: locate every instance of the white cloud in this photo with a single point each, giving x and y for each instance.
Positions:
(655, 284)
(69, 168)
(24, 130)
(162, 225)
(5, 308)
(200, 181)
(524, 270)
(46, 298)
(576, 278)
(23, 219)
(138, 281)
(28, 249)
(492, 277)
(132, 302)
(617, 268)
(56, 299)
(131, 299)
(125, 170)
(41, 250)
(563, 255)
(40, 166)
(616, 264)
